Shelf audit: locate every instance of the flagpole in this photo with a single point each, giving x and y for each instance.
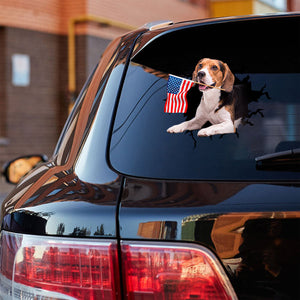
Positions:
(211, 86)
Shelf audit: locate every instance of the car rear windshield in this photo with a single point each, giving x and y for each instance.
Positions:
(263, 56)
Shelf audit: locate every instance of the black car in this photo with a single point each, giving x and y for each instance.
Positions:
(124, 209)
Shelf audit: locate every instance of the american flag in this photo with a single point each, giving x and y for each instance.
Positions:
(176, 94)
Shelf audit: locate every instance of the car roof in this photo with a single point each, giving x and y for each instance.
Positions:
(159, 28)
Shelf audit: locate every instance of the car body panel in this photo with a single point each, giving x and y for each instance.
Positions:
(253, 226)
(67, 206)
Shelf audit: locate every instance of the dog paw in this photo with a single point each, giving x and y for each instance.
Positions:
(176, 129)
(205, 132)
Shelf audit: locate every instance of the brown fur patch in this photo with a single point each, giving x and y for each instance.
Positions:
(218, 70)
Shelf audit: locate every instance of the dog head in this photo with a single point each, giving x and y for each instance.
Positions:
(214, 73)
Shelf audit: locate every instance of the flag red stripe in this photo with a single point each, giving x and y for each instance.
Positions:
(177, 103)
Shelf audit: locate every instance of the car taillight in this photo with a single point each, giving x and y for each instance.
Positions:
(58, 268)
(34, 267)
(173, 271)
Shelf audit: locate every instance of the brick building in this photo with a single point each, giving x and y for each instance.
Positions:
(34, 59)
(221, 8)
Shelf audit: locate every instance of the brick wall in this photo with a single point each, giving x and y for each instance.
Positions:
(32, 114)
(53, 15)
(35, 14)
(137, 12)
(31, 117)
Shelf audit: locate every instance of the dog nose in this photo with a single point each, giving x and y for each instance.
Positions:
(201, 74)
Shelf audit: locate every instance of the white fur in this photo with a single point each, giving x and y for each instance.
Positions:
(221, 120)
(207, 78)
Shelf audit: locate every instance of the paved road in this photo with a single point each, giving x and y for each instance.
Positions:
(5, 188)
(2, 197)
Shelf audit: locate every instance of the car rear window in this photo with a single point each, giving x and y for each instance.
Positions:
(263, 55)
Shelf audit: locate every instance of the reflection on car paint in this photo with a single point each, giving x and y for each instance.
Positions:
(54, 208)
(247, 225)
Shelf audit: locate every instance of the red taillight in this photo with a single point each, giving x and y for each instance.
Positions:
(33, 267)
(165, 271)
(61, 268)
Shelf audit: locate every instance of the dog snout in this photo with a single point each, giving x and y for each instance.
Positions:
(201, 74)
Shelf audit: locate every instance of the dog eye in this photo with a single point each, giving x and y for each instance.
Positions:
(200, 66)
(214, 68)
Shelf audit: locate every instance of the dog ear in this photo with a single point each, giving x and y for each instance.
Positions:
(228, 79)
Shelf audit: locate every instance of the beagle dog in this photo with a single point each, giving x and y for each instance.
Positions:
(218, 102)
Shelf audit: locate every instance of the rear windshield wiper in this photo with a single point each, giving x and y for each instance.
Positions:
(288, 160)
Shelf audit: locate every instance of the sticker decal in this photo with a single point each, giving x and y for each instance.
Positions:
(218, 103)
(176, 94)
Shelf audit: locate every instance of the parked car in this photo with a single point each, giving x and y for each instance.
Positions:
(132, 207)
